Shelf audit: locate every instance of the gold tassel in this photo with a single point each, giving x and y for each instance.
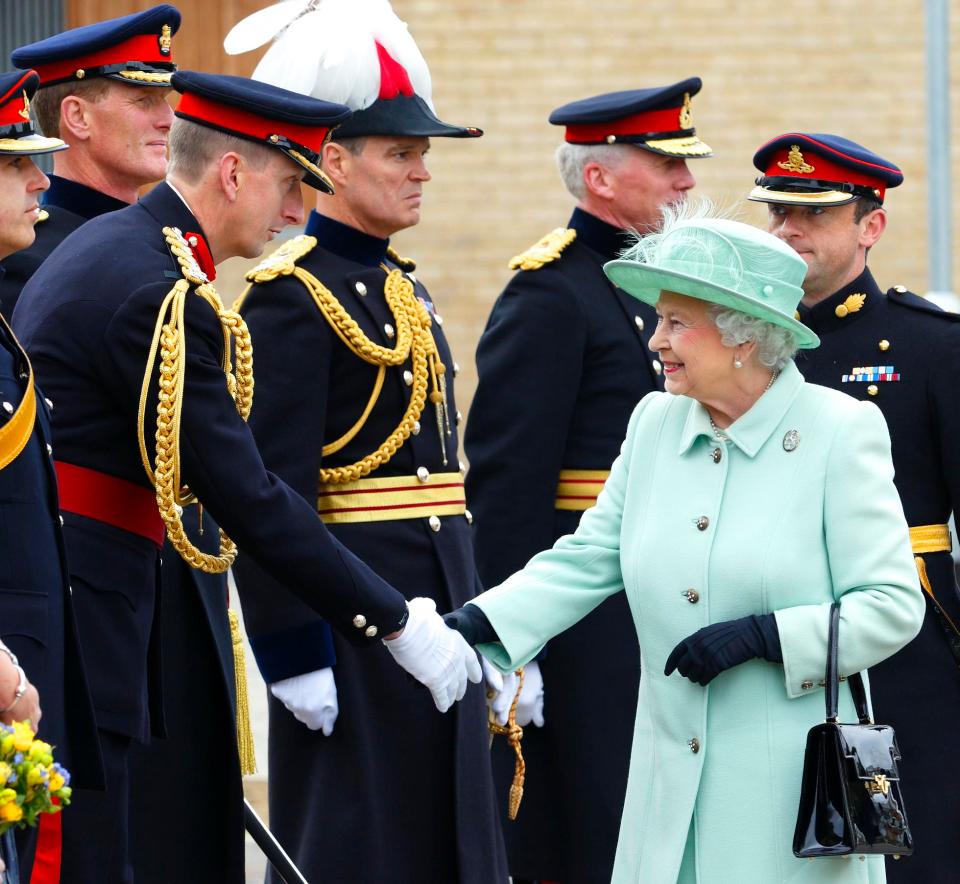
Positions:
(248, 760)
(514, 734)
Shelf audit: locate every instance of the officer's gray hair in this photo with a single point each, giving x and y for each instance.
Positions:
(193, 148)
(775, 345)
(572, 159)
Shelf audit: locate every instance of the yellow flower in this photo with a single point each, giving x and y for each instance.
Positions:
(22, 736)
(5, 772)
(56, 781)
(10, 813)
(6, 796)
(42, 752)
(35, 775)
(6, 745)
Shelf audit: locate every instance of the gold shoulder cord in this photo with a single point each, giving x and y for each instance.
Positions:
(414, 341)
(169, 337)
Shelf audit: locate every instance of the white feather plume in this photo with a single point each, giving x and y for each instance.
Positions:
(261, 26)
(328, 49)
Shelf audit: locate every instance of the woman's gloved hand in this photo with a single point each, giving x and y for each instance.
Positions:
(530, 704)
(701, 657)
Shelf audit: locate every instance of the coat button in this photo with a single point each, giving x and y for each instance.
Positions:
(639, 321)
(359, 621)
(691, 595)
(423, 474)
(434, 523)
(389, 330)
(361, 288)
(456, 368)
(416, 428)
(370, 631)
(49, 449)
(717, 455)
(61, 521)
(900, 289)
(806, 685)
(702, 523)
(884, 345)
(468, 516)
(873, 389)
(49, 403)
(694, 745)
(408, 378)
(657, 367)
(438, 319)
(8, 408)
(463, 467)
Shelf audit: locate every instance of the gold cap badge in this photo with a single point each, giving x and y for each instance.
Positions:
(686, 116)
(25, 110)
(165, 40)
(795, 161)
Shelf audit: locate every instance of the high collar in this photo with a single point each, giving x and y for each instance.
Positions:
(79, 199)
(169, 210)
(604, 238)
(822, 317)
(346, 241)
(751, 430)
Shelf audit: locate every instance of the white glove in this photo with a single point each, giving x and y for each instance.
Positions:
(311, 697)
(530, 704)
(434, 654)
(492, 676)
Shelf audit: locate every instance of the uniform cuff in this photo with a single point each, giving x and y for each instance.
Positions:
(294, 651)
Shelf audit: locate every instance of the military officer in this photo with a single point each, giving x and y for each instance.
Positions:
(356, 411)
(126, 300)
(116, 119)
(103, 90)
(825, 197)
(562, 363)
(37, 623)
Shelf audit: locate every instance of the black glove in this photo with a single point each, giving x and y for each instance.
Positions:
(701, 657)
(472, 624)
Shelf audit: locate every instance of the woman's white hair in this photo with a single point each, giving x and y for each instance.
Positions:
(572, 159)
(775, 345)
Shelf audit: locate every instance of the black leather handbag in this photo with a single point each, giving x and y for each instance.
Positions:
(850, 800)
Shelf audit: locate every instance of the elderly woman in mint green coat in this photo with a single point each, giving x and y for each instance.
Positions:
(743, 504)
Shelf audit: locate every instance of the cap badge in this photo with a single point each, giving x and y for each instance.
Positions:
(165, 39)
(852, 304)
(25, 110)
(795, 161)
(686, 117)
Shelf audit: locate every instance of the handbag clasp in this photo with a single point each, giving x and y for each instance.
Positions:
(878, 784)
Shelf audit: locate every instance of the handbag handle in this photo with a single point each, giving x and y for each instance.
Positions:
(832, 677)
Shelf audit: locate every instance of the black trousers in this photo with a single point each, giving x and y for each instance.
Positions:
(96, 839)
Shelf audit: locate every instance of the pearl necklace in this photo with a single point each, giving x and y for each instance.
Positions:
(718, 432)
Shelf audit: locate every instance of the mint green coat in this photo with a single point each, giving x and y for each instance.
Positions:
(789, 532)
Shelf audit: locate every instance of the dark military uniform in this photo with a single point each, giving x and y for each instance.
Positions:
(67, 204)
(409, 790)
(903, 354)
(562, 363)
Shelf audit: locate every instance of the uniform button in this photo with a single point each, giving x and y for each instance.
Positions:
(456, 368)
(61, 521)
(463, 466)
(359, 621)
(657, 367)
(459, 417)
(694, 745)
(434, 523)
(639, 321)
(423, 474)
(361, 289)
(717, 455)
(370, 631)
(691, 595)
(873, 389)
(50, 449)
(8, 408)
(438, 319)
(468, 516)
(702, 523)
(900, 289)
(408, 378)
(884, 345)
(416, 428)
(49, 403)
(70, 589)
(192, 240)
(806, 685)
(389, 330)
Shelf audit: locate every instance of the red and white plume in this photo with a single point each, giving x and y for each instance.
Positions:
(347, 51)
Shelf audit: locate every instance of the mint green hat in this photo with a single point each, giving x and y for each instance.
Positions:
(721, 261)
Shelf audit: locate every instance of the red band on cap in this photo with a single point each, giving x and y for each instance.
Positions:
(394, 79)
(232, 119)
(822, 168)
(664, 120)
(14, 108)
(143, 48)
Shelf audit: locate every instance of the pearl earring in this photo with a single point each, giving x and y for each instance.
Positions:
(737, 363)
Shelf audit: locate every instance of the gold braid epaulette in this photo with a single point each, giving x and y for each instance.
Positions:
(169, 338)
(414, 341)
(546, 251)
(402, 262)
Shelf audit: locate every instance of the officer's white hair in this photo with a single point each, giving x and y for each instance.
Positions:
(775, 344)
(193, 148)
(572, 159)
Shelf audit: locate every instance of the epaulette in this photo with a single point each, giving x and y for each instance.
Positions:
(901, 295)
(403, 263)
(546, 251)
(284, 260)
(42, 216)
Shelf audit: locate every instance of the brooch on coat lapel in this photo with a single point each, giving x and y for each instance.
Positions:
(870, 373)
